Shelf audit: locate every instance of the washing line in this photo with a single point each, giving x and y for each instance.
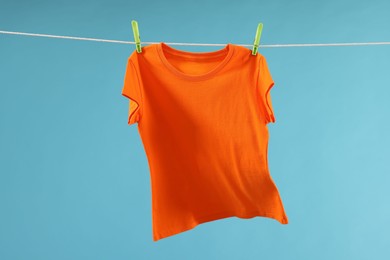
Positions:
(199, 44)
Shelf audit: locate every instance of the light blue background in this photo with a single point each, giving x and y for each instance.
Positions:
(75, 182)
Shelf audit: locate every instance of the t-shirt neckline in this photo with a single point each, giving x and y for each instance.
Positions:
(226, 51)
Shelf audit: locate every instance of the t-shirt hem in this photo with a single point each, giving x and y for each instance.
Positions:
(221, 215)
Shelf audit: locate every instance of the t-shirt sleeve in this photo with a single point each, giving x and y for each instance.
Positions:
(132, 90)
(264, 85)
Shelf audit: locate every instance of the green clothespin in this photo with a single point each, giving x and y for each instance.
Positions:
(257, 39)
(137, 40)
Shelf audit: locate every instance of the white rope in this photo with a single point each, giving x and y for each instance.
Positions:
(200, 44)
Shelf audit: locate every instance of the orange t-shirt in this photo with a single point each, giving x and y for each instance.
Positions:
(202, 118)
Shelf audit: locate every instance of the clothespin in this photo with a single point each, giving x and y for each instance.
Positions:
(137, 40)
(257, 39)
